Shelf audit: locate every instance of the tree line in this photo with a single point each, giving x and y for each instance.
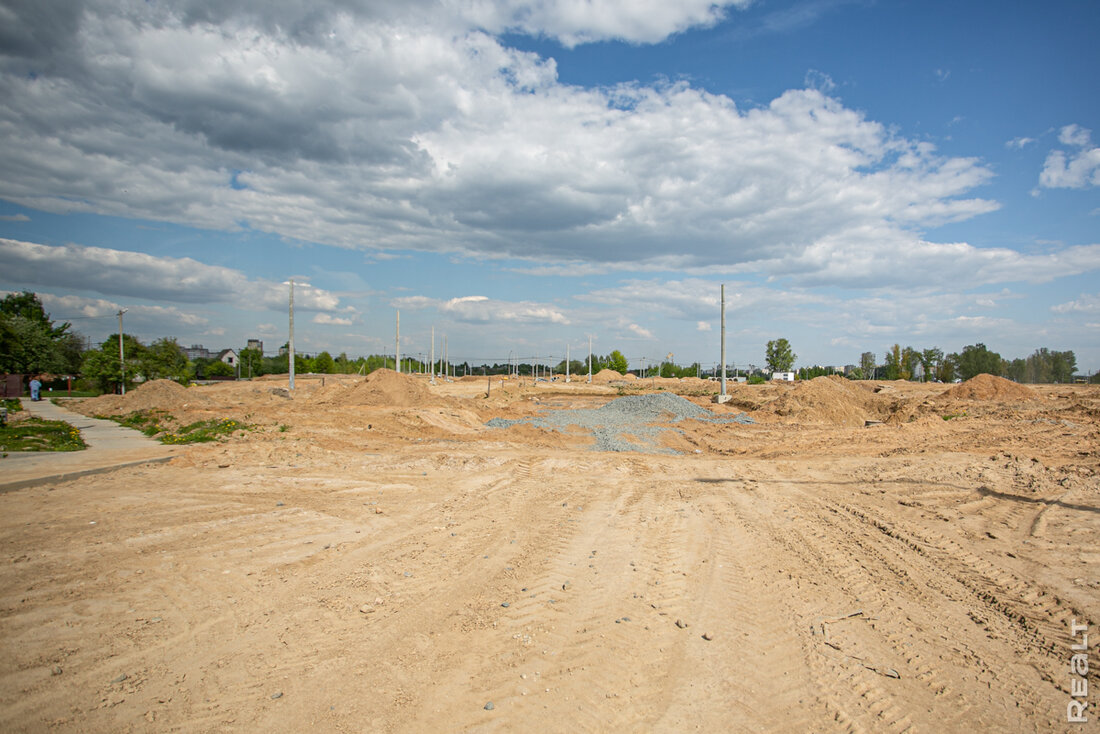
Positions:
(32, 343)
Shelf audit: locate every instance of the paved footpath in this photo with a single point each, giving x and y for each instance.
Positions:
(110, 446)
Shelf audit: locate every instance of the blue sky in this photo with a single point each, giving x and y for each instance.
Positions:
(523, 175)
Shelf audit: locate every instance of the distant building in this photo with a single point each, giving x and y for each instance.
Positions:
(197, 351)
(256, 344)
(229, 356)
(783, 376)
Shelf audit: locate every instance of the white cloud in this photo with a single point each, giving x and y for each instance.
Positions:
(1074, 135)
(78, 308)
(1019, 143)
(1072, 170)
(1087, 303)
(702, 326)
(15, 218)
(481, 309)
(328, 319)
(406, 126)
(639, 331)
(139, 275)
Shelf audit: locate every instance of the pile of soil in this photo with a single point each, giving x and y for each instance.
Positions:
(155, 394)
(988, 387)
(831, 400)
(606, 376)
(387, 388)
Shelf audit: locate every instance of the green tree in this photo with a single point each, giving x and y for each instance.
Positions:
(892, 367)
(163, 359)
(218, 368)
(976, 359)
(616, 361)
(324, 364)
(30, 342)
(103, 366)
(930, 360)
(252, 363)
(867, 365)
(779, 356)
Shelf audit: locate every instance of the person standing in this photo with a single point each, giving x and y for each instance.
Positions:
(36, 388)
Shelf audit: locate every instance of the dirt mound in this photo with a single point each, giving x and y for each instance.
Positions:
(387, 388)
(988, 387)
(606, 376)
(152, 395)
(831, 400)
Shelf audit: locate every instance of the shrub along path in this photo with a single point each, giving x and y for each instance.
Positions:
(110, 446)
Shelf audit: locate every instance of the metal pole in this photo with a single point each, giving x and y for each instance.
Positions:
(121, 352)
(723, 339)
(446, 359)
(397, 342)
(590, 358)
(431, 371)
(567, 363)
(290, 342)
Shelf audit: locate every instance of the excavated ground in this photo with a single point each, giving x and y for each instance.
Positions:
(371, 556)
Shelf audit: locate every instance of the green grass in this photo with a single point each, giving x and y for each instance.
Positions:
(951, 416)
(36, 434)
(161, 425)
(13, 405)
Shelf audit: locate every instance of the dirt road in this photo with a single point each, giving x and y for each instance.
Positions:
(889, 579)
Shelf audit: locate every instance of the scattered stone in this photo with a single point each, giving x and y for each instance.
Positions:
(708, 636)
(506, 605)
(681, 624)
(366, 609)
(489, 706)
(120, 678)
(276, 694)
(56, 670)
(280, 504)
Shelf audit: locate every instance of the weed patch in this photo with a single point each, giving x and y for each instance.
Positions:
(160, 424)
(36, 434)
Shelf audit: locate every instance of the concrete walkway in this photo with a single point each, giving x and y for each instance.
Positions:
(110, 446)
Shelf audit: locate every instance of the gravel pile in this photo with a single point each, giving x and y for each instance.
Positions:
(627, 423)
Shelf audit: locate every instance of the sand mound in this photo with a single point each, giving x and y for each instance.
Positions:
(385, 387)
(988, 387)
(831, 400)
(152, 395)
(606, 376)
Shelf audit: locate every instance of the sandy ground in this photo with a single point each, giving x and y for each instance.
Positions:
(362, 563)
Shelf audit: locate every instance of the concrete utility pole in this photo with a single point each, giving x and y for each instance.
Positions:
(397, 343)
(431, 369)
(446, 359)
(290, 342)
(567, 363)
(590, 358)
(121, 352)
(723, 397)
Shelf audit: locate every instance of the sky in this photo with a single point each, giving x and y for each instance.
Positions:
(523, 175)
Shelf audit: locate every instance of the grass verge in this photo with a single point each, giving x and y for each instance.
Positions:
(36, 434)
(160, 424)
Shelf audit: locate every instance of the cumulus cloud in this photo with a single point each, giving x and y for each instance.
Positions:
(639, 331)
(1087, 303)
(330, 320)
(139, 275)
(702, 326)
(411, 126)
(1074, 169)
(67, 307)
(1019, 143)
(481, 309)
